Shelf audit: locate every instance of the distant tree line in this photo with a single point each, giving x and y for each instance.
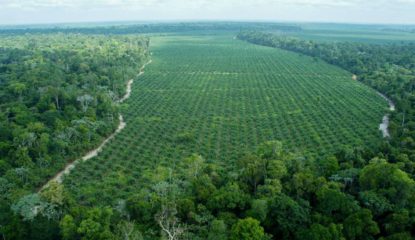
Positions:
(153, 28)
(401, 29)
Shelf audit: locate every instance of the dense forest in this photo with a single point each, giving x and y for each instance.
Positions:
(57, 101)
(58, 98)
(270, 194)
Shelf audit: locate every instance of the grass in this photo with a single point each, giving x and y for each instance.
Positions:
(220, 97)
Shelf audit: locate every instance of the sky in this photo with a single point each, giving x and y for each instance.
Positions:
(345, 11)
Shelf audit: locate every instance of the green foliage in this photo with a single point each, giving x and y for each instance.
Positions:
(253, 170)
(141, 207)
(399, 236)
(194, 165)
(360, 226)
(286, 216)
(276, 169)
(228, 197)
(185, 137)
(376, 203)
(259, 209)
(203, 188)
(32, 205)
(305, 183)
(270, 150)
(333, 202)
(218, 230)
(389, 182)
(128, 231)
(68, 228)
(398, 222)
(247, 229)
(54, 193)
(327, 166)
(320, 232)
(270, 189)
(96, 225)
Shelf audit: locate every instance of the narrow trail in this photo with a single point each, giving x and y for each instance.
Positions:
(384, 126)
(93, 153)
(130, 83)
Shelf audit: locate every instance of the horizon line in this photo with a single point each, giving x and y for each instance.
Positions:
(142, 21)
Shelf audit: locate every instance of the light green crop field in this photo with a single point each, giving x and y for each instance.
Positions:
(355, 33)
(220, 97)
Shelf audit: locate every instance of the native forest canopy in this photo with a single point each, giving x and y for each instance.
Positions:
(207, 130)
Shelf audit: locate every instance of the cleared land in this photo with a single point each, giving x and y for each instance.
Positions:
(220, 97)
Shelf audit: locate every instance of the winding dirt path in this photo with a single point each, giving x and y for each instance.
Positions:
(93, 153)
(130, 83)
(384, 126)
